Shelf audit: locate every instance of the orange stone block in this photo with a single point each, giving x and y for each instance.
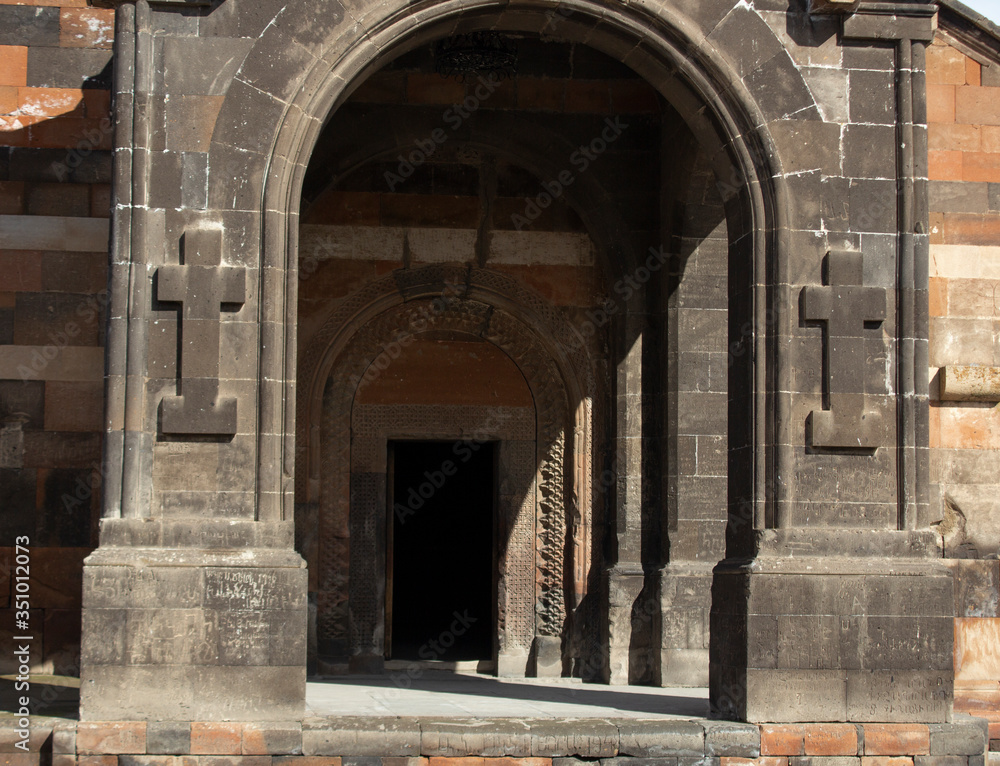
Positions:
(982, 703)
(831, 739)
(13, 65)
(97, 102)
(970, 229)
(886, 760)
(938, 297)
(50, 102)
(897, 739)
(940, 103)
(946, 136)
(977, 106)
(14, 132)
(977, 650)
(86, 28)
(48, 3)
(461, 761)
(307, 760)
(517, 762)
(97, 760)
(973, 72)
(111, 737)
(990, 139)
(945, 65)
(8, 99)
(782, 739)
(980, 166)
(215, 738)
(967, 427)
(73, 133)
(944, 165)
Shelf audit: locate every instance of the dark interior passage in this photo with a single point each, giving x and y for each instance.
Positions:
(442, 563)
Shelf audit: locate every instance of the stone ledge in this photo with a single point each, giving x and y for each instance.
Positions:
(974, 383)
(388, 741)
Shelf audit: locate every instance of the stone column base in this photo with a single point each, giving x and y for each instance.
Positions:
(832, 639)
(512, 664)
(548, 657)
(624, 584)
(685, 593)
(193, 634)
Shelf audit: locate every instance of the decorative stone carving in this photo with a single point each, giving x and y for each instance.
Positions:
(556, 364)
(202, 286)
(844, 306)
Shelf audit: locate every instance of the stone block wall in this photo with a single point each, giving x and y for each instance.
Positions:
(498, 742)
(963, 89)
(55, 201)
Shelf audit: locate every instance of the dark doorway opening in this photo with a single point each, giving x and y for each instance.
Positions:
(441, 596)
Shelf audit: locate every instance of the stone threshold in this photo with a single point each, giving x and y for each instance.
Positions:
(374, 741)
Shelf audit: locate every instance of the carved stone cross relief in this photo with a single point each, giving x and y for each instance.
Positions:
(202, 286)
(844, 306)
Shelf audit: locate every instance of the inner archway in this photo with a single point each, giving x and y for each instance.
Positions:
(573, 204)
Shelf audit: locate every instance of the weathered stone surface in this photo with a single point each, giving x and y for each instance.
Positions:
(732, 740)
(485, 737)
(362, 736)
(565, 738)
(650, 739)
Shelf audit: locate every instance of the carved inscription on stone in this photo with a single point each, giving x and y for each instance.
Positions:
(844, 306)
(202, 286)
(901, 695)
(243, 589)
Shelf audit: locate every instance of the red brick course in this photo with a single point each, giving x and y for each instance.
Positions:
(832, 739)
(783, 739)
(111, 737)
(897, 739)
(216, 738)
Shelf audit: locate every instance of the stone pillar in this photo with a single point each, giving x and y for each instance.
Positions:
(624, 577)
(695, 390)
(194, 605)
(832, 604)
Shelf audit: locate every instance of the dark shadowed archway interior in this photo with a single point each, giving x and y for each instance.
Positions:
(439, 605)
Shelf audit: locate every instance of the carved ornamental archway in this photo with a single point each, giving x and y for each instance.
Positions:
(547, 457)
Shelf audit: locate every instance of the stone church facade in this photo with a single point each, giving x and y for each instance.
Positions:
(706, 291)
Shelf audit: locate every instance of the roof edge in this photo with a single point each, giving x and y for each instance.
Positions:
(970, 27)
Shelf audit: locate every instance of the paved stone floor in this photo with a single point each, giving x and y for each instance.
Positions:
(442, 693)
(431, 693)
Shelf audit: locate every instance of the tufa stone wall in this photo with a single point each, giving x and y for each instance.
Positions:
(963, 89)
(55, 200)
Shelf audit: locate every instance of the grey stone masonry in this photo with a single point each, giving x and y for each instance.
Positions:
(782, 426)
(372, 741)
